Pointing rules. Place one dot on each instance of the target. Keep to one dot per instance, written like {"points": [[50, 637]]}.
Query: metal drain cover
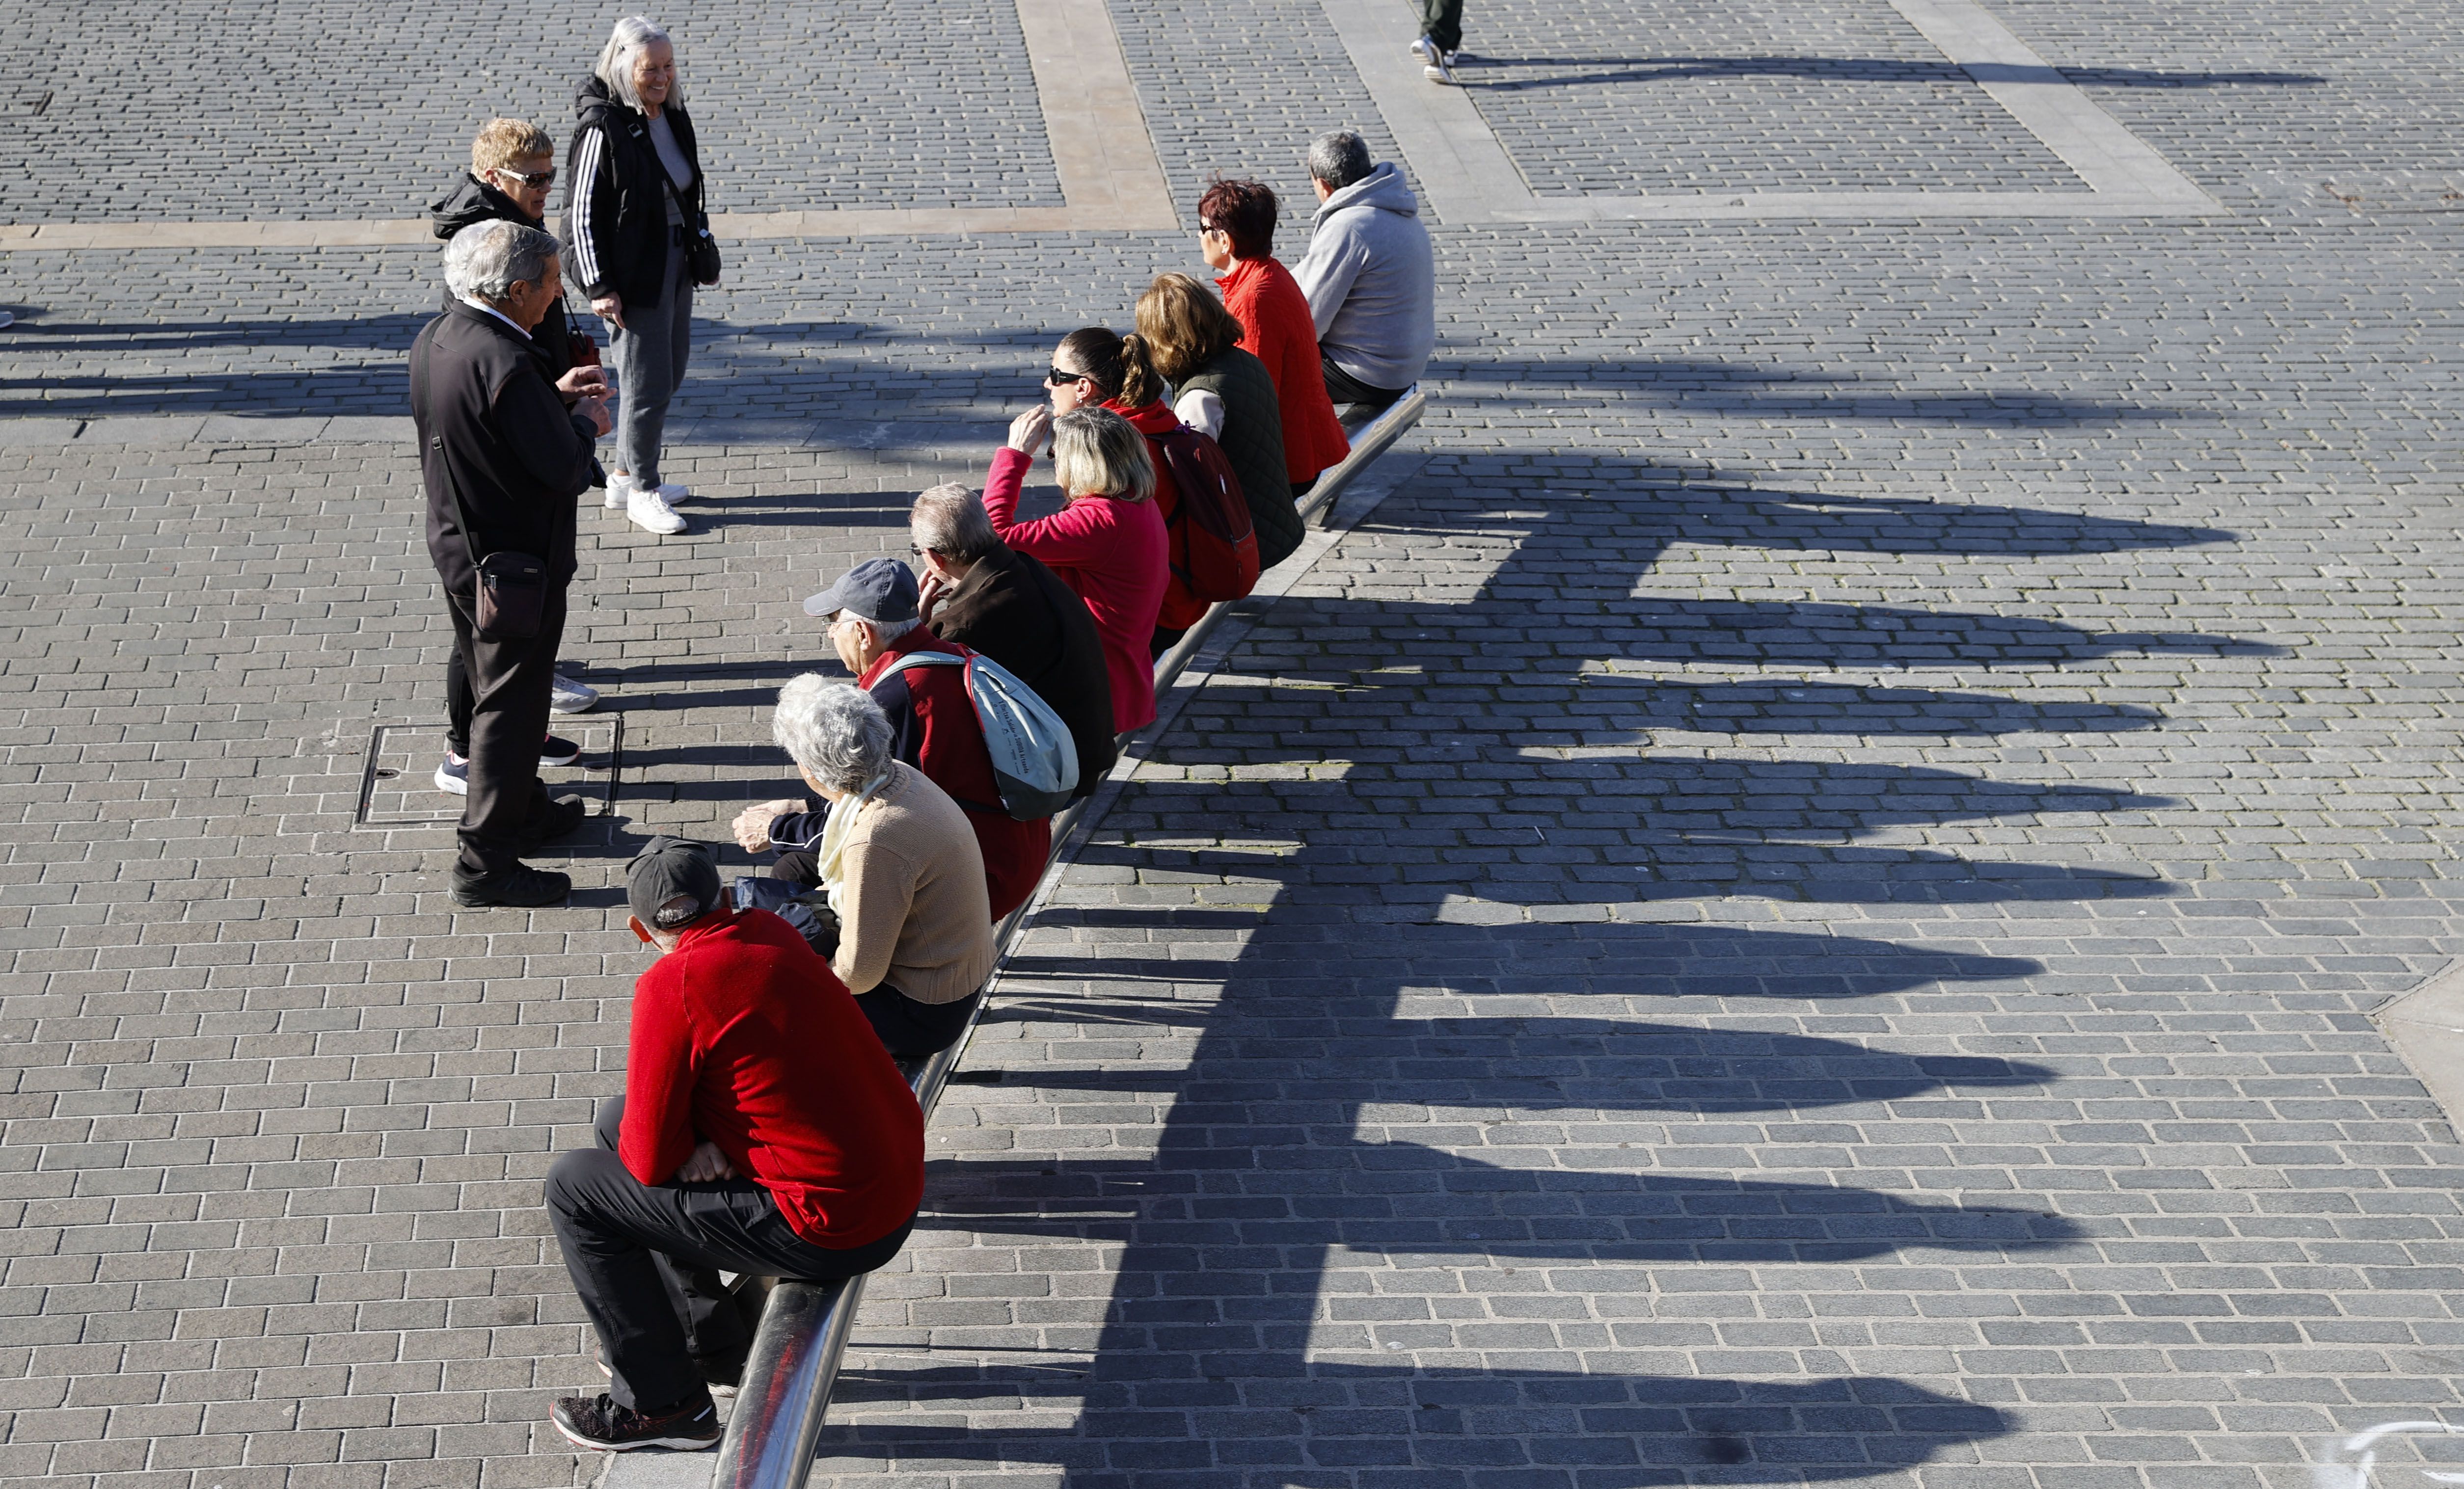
{"points": [[398, 781]]}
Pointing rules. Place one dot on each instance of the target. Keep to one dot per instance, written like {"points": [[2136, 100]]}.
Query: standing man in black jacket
{"points": [[502, 457]]}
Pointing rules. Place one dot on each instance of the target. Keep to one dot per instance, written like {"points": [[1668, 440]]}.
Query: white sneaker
{"points": [[1441, 64], [672, 493], [617, 488], [567, 697], [646, 509]]}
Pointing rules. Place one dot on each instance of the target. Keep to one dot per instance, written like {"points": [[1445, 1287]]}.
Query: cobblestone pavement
{"points": [[303, 109], [1802, 904]]}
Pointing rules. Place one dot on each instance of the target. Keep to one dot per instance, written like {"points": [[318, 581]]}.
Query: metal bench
{"points": [[777, 1424]]}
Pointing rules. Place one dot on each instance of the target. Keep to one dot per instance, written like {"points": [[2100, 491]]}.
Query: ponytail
{"points": [[1140, 383]]}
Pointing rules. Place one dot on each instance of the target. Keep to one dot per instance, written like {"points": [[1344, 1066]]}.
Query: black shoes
{"points": [[599, 1422], [564, 815], [520, 886]]}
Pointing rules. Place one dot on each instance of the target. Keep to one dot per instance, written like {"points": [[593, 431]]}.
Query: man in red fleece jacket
{"points": [[762, 1130]]}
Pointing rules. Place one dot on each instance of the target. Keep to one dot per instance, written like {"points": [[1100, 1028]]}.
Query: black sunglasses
{"points": [[1062, 378]]}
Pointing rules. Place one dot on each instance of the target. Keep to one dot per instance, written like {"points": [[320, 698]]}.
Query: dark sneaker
{"points": [[519, 887], [599, 1422], [453, 775], [565, 814], [558, 752]]}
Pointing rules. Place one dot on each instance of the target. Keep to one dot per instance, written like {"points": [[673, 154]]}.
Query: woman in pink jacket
{"points": [[1108, 544]]}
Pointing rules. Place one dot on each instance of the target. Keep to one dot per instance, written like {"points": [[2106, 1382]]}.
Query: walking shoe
{"points": [[520, 886], [554, 751], [619, 487], [1440, 64], [564, 815], [599, 1422], [672, 493], [567, 697], [453, 775], [648, 510]]}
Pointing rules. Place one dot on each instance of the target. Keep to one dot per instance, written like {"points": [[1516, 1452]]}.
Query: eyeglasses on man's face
{"points": [[533, 179]]}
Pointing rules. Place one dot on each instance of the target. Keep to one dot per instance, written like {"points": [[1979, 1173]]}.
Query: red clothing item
{"points": [[940, 734], [742, 1036], [1276, 329], [1113, 554], [1180, 609]]}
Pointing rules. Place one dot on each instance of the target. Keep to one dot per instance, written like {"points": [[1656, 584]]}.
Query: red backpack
{"points": [[1221, 546]]}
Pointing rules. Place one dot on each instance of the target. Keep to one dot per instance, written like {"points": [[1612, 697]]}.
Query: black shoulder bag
{"points": [[511, 596], [701, 249]]}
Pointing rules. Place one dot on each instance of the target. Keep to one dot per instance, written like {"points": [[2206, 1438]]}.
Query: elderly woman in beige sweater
{"points": [[901, 867]]}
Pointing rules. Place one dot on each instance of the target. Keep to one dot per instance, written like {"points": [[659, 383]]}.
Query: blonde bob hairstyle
{"points": [[626, 44], [1096, 453]]}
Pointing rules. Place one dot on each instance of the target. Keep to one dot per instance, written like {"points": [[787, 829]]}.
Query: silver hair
{"points": [[949, 520], [485, 260], [1338, 158], [833, 731], [632, 35], [888, 631], [1096, 453]]}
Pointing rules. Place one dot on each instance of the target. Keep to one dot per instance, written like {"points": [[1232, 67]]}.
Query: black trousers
{"points": [[1342, 387], [510, 685], [908, 1029], [1442, 22], [646, 1261]]}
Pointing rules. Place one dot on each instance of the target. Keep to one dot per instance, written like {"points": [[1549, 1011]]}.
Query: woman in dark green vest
{"points": [[1224, 392]]}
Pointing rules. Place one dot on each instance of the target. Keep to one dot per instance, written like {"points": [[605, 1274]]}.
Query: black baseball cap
{"points": [[880, 590], [671, 883]]}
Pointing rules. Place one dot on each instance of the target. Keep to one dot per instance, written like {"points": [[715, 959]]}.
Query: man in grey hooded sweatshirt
{"points": [[1370, 274]]}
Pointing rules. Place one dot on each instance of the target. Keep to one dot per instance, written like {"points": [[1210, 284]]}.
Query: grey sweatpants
{"points": [[651, 353]]}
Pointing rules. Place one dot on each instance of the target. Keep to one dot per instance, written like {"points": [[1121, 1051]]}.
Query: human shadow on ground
{"points": [[1779, 517], [1540, 1063], [1474, 73]]}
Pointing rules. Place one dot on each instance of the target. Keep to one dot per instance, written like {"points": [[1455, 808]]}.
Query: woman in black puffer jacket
{"points": [[636, 194]]}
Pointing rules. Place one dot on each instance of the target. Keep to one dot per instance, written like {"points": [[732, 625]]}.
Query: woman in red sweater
{"points": [[1108, 544], [1235, 231]]}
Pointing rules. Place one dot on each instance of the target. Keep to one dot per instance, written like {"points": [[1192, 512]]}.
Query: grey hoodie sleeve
{"points": [[1326, 272]]}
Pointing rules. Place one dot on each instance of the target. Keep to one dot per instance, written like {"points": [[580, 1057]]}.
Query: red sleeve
{"points": [[657, 1135], [1067, 536]]}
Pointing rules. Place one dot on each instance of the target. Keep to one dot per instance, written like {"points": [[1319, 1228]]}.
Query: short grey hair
{"points": [[949, 520], [833, 731], [631, 37], [1339, 158], [888, 631], [1096, 453], [485, 260]]}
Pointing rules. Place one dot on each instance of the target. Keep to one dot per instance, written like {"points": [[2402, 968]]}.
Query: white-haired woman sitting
{"points": [[900, 865]]}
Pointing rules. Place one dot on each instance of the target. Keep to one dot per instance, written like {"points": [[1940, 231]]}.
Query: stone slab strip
{"points": [[2427, 1028], [1464, 173], [1106, 158]]}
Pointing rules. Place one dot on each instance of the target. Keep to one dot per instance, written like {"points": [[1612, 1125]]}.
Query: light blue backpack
{"points": [[1035, 763]]}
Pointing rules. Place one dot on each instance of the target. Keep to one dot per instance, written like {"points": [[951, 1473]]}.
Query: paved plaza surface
{"points": [[1802, 902]]}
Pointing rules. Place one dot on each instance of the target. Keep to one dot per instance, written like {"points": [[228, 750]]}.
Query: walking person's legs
{"points": [[1442, 22]]}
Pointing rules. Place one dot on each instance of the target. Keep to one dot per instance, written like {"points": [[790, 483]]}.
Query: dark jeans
{"points": [[1342, 387], [511, 682], [1442, 22], [908, 1029], [645, 1260], [459, 700]]}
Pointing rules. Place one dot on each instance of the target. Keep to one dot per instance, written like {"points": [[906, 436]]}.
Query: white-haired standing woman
{"points": [[636, 207]]}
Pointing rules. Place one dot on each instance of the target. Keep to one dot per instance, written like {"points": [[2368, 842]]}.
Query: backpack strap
{"points": [[901, 663]]}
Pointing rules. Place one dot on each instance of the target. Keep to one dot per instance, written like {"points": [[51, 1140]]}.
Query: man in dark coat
{"points": [[502, 456], [1016, 611]]}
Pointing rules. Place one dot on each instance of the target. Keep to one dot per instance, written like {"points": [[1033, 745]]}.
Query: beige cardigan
{"points": [[915, 913]]}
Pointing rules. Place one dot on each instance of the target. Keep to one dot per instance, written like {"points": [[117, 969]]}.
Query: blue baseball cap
{"points": [[880, 590]]}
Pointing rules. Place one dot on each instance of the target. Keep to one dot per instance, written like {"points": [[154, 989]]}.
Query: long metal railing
{"points": [[776, 1426]]}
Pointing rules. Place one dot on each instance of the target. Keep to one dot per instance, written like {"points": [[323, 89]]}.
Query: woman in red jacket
{"points": [[1092, 364], [1108, 544], [1236, 233]]}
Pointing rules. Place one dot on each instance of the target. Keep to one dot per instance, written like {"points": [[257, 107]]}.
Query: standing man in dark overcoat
{"points": [[504, 453]]}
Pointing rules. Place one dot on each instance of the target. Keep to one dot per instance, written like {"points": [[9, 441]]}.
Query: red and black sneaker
{"points": [[599, 1422]]}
